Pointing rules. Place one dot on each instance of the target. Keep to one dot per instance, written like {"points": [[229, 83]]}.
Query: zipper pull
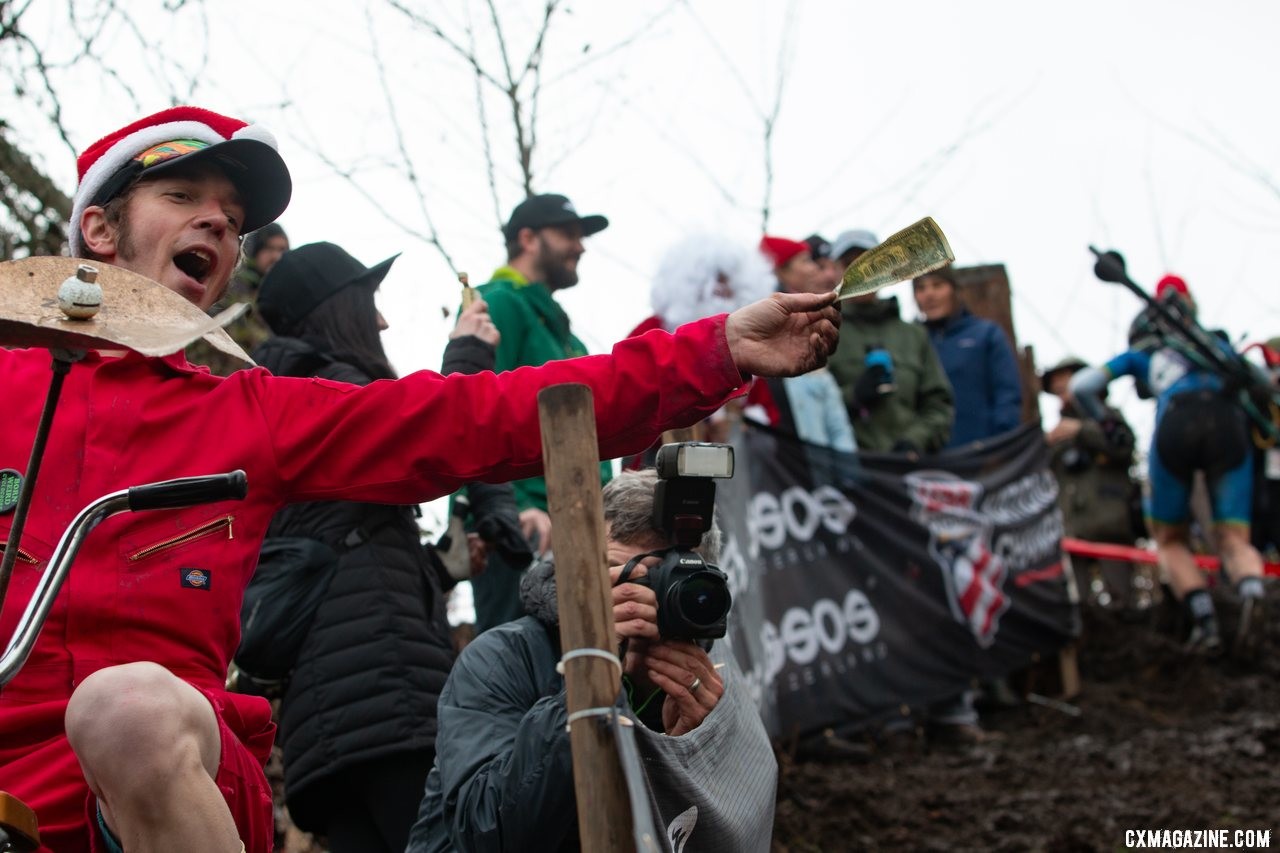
{"points": [[230, 532]]}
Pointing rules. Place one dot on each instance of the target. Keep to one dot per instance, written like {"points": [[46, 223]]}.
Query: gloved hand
{"points": [[875, 383], [497, 521]]}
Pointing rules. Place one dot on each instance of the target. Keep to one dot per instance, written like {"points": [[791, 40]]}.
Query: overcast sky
{"points": [[1027, 130]]}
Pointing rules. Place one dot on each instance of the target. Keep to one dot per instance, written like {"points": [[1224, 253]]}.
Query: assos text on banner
{"points": [[865, 582]]}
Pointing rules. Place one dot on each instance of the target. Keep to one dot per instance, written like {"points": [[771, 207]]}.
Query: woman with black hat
{"points": [[357, 724]]}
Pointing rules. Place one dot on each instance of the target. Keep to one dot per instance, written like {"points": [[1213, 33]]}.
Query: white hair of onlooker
{"points": [[707, 274]]}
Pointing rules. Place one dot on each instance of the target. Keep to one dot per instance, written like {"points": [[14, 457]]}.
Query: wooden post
{"points": [[1069, 671], [570, 453]]}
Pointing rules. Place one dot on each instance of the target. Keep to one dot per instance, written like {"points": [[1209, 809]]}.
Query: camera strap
{"points": [[630, 566]]}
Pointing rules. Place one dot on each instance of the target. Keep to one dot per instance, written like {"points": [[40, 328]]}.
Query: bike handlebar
{"points": [[163, 495], [188, 491]]}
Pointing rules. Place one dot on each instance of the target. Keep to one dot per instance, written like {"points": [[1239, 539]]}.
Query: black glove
{"points": [[872, 386], [497, 521]]}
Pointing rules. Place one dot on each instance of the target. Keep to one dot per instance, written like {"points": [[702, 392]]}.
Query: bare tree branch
{"points": [[786, 54], [485, 144], [644, 29], [1224, 151], [681, 147], [33, 210], [89, 26], [502, 44], [727, 62], [433, 235], [461, 51], [535, 53], [54, 105], [525, 129], [917, 177]]}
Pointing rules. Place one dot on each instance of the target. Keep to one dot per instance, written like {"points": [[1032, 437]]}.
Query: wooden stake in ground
{"points": [[570, 453]]}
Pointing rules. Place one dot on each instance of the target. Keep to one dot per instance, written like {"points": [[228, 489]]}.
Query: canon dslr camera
{"points": [[693, 595]]}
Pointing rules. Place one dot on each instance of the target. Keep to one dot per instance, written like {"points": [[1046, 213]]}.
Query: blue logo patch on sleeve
{"points": [[195, 578]]}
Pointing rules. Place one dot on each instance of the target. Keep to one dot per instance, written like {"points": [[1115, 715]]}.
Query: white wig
{"points": [[688, 283]]}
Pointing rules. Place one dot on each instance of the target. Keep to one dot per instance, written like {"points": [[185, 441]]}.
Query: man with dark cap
{"points": [[898, 396], [820, 251], [544, 244], [119, 731]]}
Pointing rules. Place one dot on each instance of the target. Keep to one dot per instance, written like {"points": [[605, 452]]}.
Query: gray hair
{"points": [[628, 510]]}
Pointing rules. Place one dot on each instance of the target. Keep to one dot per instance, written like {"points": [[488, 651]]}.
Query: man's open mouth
{"points": [[196, 263]]}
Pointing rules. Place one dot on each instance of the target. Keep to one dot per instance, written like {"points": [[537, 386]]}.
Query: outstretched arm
{"points": [[1086, 389], [425, 435], [785, 335]]}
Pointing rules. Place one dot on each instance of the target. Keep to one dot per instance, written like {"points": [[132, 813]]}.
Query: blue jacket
{"points": [[983, 373]]}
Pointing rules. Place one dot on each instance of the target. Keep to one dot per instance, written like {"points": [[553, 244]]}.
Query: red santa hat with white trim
{"points": [[178, 137]]}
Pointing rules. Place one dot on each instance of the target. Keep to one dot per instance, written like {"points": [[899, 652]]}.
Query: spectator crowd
{"points": [[394, 736]]}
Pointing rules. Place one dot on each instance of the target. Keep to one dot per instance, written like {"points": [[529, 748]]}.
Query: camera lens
{"points": [[702, 599]]}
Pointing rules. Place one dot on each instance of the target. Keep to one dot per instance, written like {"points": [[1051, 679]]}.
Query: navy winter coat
{"points": [[983, 372]]}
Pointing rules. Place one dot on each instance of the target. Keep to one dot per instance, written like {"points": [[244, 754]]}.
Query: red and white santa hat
{"points": [[180, 136], [781, 250]]}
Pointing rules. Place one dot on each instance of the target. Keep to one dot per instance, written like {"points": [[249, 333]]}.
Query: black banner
{"points": [[865, 582]]}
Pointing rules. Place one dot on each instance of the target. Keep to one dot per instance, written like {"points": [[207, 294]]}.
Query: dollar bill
{"points": [[912, 252]]}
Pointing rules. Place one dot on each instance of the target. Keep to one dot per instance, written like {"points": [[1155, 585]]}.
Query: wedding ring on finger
{"points": [[697, 682]]}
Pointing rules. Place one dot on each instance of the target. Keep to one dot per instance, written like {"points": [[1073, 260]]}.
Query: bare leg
{"points": [[148, 745], [1176, 558], [1239, 558], [1189, 585], [1243, 564]]}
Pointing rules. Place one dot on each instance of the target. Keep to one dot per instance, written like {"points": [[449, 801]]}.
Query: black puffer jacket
{"points": [[371, 669]]}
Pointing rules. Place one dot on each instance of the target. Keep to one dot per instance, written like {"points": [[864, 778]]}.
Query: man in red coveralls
{"points": [[118, 731]]}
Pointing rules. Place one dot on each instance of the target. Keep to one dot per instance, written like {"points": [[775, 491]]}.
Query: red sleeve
{"points": [[423, 436], [647, 325]]}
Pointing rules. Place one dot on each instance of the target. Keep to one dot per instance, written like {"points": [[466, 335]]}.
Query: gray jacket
{"points": [[503, 779]]}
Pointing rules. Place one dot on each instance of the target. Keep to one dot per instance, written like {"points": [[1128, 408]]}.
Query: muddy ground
{"points": [[1163, 740]]}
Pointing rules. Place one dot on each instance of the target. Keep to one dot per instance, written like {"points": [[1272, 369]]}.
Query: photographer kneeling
{"points": [[503, 778]]}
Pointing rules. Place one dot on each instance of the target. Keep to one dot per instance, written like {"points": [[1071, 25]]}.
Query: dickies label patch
{"points": [[195, 578]]}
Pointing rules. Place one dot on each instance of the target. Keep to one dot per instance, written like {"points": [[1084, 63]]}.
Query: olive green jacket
{"points": [[921, 409]]}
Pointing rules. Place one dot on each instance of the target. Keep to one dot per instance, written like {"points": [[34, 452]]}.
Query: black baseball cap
{"points": [[819, 246], [307, 276], [542, 211]]}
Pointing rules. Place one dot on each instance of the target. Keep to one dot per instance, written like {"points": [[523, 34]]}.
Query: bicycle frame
{"points": [[169, 493]]}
